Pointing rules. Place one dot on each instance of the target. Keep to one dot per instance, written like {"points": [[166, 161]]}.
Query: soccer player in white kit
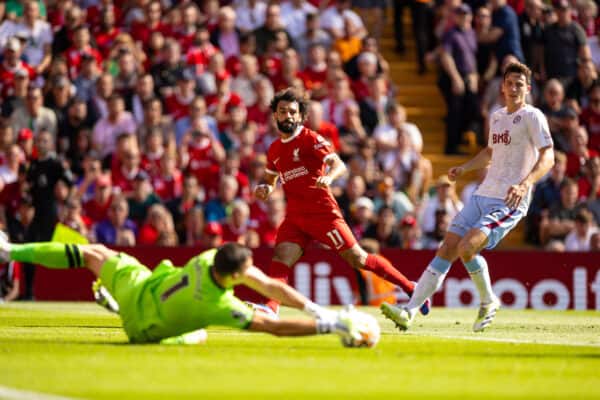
{"points": [[519, 152]]}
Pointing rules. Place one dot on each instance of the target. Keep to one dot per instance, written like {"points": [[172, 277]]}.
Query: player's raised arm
{"points": [[336, 169], [481, 160]]}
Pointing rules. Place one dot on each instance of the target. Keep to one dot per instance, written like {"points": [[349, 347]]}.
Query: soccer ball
{"points": [[364, 331]]}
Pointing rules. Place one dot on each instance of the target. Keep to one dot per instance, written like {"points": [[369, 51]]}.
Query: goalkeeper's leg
{"points": [[57, 255]]}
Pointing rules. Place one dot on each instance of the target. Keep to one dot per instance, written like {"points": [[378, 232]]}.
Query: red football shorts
{"points": [[328, 229]]}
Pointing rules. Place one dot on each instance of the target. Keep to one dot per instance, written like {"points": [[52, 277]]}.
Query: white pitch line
{"points": [[8, 393], [516, 341]]}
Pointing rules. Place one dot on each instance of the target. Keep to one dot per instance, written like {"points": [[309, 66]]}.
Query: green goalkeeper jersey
{"points": [[172, 300]]}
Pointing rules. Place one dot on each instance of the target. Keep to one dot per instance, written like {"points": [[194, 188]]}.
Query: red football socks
{"points": [[280, 271], [381, 266]]}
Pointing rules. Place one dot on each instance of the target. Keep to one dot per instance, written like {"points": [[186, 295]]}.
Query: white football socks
{"points": [[482, 282], [428, 283]]}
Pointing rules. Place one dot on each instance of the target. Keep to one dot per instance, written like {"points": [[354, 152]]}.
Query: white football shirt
{"points": [[515, 140]]}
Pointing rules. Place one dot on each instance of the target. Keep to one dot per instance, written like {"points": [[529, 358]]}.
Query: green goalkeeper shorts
{"points": [[124, 277]]}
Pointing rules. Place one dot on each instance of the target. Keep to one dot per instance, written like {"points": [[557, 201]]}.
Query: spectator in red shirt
{"points": [[10, 65], [168, 183], [367, 68], [186, 32], [124, 177], [25, 142], [315, 121], [200, 53], [142, 30], [580, 153], [267, 228], [212, 235], [96, 209], [201, 152], [158, 229], [81, 45], [107, 31], [589, 183], [177, 104], [153, 151], [216, 72], [231, 166], [314, 74], [95, 12], [290, 70], [590, 117], [260, 112], [237, 224], [222, 103]]}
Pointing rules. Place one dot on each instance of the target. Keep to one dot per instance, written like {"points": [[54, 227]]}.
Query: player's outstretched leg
{"points": [[429, 282], [49, 254], [478, 269], [381, 266], [56, 255]]}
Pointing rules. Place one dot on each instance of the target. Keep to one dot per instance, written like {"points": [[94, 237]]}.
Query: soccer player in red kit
{"points": [[307, 165]]}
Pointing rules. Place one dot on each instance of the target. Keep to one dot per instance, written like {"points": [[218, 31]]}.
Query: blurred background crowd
{"points": [[146, 122]]}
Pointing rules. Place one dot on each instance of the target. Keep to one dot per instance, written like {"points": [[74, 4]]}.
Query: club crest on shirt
{"points": [[517, 119], [296, 155], [501, 138]]}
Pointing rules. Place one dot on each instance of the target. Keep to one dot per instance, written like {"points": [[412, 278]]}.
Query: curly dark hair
{"points": [[290, 95]]}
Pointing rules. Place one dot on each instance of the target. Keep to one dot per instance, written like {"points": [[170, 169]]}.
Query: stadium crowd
{"points": [[146, 122]]}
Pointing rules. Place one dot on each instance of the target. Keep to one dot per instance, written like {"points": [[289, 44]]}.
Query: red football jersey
{"points": [[169, 187], [299, 160]]}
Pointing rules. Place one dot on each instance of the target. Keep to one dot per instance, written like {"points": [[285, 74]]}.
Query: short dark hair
{"points": [[567, 182], [518, 68], [230, 257], [290, 95]]}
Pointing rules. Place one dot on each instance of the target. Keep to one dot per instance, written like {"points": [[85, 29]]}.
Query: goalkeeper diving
{"points": [[172, 304]]}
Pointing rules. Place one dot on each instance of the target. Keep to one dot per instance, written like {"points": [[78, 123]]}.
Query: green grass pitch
{"points": [[78, 350]]}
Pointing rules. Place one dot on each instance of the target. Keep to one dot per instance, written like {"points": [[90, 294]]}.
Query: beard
{"points": [[287, 127]]}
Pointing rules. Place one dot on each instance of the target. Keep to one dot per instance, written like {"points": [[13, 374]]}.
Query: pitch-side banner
{"points": [[539, 280]]}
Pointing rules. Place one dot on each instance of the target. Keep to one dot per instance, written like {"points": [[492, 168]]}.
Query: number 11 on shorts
{"points": [[336, 238]]}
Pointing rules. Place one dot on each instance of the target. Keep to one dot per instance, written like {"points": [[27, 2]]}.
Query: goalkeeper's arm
{"points": [[271, 288]]}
